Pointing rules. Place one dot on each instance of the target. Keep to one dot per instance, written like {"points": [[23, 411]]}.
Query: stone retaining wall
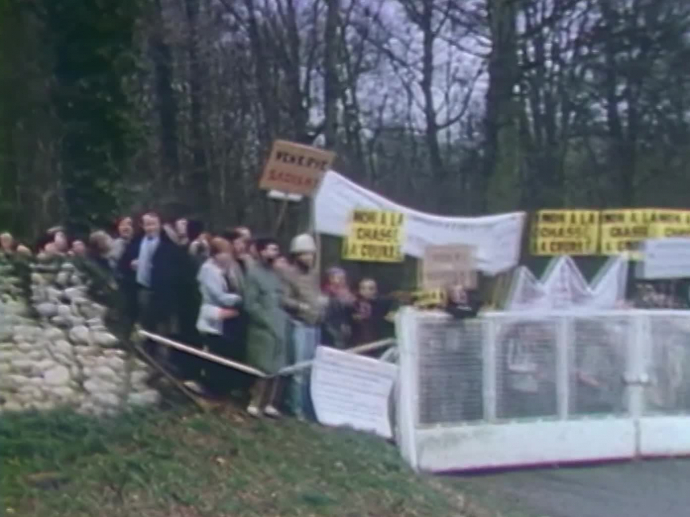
{"points": [[55, 349]]}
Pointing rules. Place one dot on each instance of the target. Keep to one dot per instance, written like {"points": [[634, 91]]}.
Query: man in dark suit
{"points": [[152, 262]]}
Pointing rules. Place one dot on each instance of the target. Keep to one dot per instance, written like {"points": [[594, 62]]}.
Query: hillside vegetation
{"points": [[184, 463]]}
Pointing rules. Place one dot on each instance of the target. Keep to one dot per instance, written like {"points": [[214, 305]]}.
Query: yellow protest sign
{"points": [[374, 236], [623, 230], [565, 232], [670, 223], [430, 298]]}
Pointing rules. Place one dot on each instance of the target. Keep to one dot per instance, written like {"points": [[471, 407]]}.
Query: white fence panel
{"points": [[513, 390]]}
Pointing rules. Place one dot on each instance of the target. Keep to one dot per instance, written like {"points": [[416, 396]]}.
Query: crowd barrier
{"points": [[512, 390]]}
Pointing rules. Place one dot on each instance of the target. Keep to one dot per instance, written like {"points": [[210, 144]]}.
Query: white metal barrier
{"points": [[511, 389]]}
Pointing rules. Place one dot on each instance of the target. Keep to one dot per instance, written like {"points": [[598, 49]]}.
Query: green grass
{"points": [[183, 463]]}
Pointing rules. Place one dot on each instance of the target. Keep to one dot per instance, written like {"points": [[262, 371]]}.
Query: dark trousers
{"points": [[213, 376], [149, 321], [235, 329]]}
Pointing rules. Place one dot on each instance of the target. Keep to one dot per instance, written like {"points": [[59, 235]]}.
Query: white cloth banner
{"points": [[497, 238], [665, 259], [562, 287], [353, 391]]}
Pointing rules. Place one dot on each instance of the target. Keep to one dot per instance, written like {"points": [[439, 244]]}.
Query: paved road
{"points": [[639, 489]]}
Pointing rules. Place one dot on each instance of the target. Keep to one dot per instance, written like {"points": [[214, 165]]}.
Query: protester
{"points": [[282, 264], [459, 303], [236, 274], [219, 305], [266, 339], [240, 259], [187, 291], [199, 249], [7, 244], [78, 249], [302, 301], [245, 232], [370, 318], [125, 233], [53, 243], [252, 252], [60, 241], [337, 325], [100, 249], [153, 261], [181, 228]]}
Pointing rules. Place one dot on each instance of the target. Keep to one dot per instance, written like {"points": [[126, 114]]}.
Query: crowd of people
{"points": [[232, 294]]}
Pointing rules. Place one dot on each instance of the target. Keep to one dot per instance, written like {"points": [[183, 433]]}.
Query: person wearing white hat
{"points": [[302, 301]]}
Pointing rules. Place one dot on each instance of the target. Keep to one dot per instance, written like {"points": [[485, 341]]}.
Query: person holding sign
{"points": [[459, 303], [268, 323], [302, 303]]}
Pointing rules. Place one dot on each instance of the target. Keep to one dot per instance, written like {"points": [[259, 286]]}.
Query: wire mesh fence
{"points": [[597, 352], [526, 369], [668, 365], [450, 372], [554, 366]]}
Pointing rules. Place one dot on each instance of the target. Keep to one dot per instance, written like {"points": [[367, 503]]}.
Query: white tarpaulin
{"points": [[353, 391], [497, 238], [527, 292], [562, 287], [608, 287]]}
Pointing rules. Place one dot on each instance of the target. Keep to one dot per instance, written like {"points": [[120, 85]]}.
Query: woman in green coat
{"points": [[267, 329]]}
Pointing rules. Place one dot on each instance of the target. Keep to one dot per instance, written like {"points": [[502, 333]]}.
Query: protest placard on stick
{"points": [[449, 265], [295, 168]]}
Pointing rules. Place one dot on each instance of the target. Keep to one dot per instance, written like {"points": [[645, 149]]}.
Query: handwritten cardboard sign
{"points": [[295, 168], [353, 391], [449, 265], [374, 236]]}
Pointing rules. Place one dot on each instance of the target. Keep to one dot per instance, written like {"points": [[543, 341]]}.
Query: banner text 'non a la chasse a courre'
{"points": [[374, 236]]}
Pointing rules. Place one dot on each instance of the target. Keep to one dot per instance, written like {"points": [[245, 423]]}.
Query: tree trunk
{"points": [[166, 102], [331, 87], [197, 77], [501, 166], [436, 167]]}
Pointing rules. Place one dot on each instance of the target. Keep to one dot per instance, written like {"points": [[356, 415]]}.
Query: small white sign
{"points": [[665, 259], [283, 196], [353, 391]]}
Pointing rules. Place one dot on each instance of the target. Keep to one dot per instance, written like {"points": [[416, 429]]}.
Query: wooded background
{"points": [[449, 106]]}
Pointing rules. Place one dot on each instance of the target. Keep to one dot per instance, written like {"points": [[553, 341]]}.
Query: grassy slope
{"points": [[183, 463]]}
